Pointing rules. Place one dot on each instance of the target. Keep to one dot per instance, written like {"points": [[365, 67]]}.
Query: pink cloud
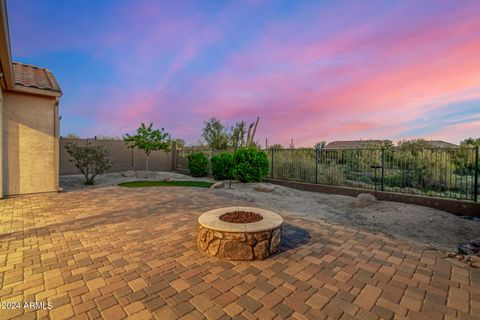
{"points": [[318, 72]]}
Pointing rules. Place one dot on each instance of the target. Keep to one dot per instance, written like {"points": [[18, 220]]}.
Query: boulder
{"points": [[364, 200], [217, 185], [168, 179], [265, 187], [129, 173]]}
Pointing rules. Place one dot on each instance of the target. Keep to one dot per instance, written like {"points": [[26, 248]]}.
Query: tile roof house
{"points": [[29, 123], [26, 75], [354, 144], [442, 144]]}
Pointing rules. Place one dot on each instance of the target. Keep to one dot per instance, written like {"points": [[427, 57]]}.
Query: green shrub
{"points": [[250, 165], [90, 159], [197, 164], [222, 166]]}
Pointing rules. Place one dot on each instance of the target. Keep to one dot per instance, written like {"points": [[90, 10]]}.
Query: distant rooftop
{"points": [[353, 144], [34, 77], [442, 144], [357, 144]]}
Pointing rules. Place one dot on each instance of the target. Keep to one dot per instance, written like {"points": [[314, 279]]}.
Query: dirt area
{"points": [[415, 224]]}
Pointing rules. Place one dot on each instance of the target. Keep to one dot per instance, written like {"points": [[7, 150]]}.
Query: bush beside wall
{"points": [[198, 164], [222, 166]]}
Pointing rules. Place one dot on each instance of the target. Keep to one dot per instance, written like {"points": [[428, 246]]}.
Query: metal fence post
{"points": [[316, 165], [174, 155], [383, 168], [475, 184], [131, 158], [271, 170]]}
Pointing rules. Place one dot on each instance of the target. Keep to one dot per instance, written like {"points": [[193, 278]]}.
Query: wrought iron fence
{"points": [[440, 172]]}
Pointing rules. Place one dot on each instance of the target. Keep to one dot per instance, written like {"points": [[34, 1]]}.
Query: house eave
{"points": [[37, 91], [5, 50]]}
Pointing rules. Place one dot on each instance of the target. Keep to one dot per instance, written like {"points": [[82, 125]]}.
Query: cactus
{"points": [[251, 134]]}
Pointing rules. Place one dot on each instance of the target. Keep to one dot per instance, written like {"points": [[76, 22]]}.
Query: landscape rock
{"points": [[217, 185], [364, 200], [129, 173], [166, 179], [265, 187]]}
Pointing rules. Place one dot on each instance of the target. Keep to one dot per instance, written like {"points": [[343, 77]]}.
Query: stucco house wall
{"points": [[29, 122], [3, 167], [30, 131]]}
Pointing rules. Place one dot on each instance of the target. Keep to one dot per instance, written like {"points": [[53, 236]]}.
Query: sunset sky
{"points": [[312, 70]]}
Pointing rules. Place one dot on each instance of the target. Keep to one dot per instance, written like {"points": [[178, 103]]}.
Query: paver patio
{"points": [[115, 252]]}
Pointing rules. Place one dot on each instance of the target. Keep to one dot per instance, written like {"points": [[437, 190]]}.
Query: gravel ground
{"points": [[418, 225]]}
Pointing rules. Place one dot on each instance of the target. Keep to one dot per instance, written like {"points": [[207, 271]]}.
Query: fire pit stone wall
{"points": [[239, 241]]}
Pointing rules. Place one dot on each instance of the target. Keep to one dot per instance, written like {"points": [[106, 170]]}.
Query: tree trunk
{"points": [[146, 165]]}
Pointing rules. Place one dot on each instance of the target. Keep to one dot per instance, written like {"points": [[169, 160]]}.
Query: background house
{"points": [[355, 144], [359, 144], [29, 123], [442, 144]]}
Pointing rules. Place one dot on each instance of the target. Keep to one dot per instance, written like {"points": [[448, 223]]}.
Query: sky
{"points": [[311, 70]]}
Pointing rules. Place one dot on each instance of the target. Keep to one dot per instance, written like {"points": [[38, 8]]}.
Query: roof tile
{"points": [[34, 77]]}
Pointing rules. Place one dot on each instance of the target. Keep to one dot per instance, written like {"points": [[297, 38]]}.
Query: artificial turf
{"points": [[139, 184]]}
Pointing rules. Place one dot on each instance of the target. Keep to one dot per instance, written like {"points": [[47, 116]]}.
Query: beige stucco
{"points": [[3, 167], [31, 135]]}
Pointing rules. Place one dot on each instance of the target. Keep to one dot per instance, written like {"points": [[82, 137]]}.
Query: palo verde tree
{"points": [[90, 159], [215, 134], [148, 139], [237, 135], [219, 137]]}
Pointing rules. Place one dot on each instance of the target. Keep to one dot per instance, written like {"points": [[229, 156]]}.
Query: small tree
{"points": [[320, 145], [91, 160], [215, 134], [237, 136], [276, 146], [148, 139], [72, 136], [470, 142], [180, 143]]}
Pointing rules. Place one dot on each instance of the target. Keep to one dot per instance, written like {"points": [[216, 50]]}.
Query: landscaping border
{"points": [[457, 207]]}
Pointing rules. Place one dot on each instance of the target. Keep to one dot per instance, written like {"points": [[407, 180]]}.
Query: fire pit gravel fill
{"points": [[241, 217]]}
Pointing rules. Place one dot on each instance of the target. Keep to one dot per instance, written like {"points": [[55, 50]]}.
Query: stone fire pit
{"points": [[240, 233]]}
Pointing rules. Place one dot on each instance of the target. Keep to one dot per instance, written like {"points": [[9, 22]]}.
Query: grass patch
{"points": [[140, 184]]}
